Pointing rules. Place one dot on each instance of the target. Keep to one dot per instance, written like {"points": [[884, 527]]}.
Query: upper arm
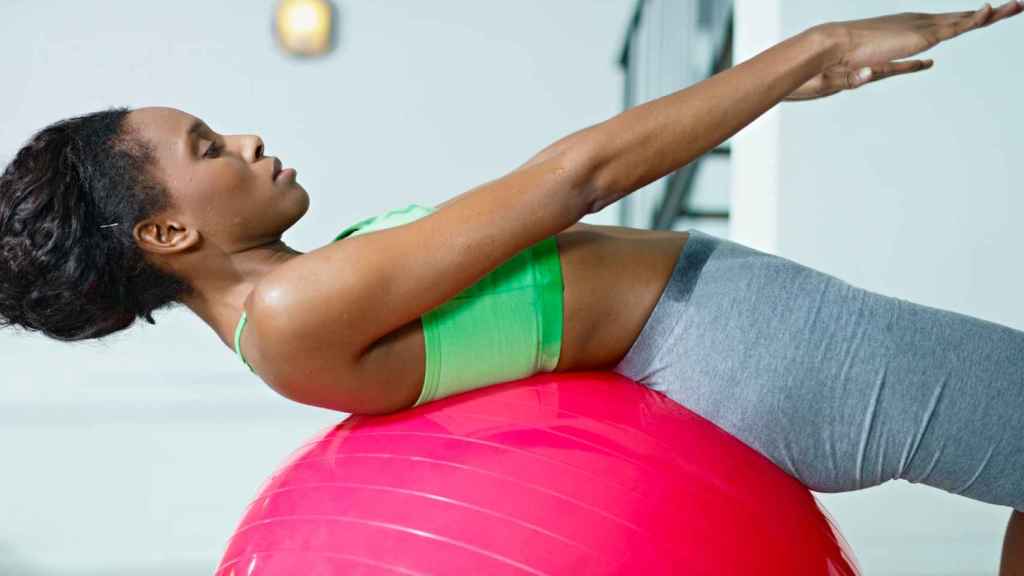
{"points": [[335, 302], [314, 362]]}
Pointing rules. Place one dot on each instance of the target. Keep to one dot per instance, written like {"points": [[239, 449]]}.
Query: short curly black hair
{"points": [[60, 272]]}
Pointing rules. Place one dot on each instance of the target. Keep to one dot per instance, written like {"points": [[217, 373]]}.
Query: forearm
{"points": [[652, 140]]}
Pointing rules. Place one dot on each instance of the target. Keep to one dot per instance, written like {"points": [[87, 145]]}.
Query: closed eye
{"points": [[214, 148]]}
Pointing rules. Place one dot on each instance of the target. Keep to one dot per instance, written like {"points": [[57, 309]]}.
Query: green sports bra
{"points": [[505, 327]]}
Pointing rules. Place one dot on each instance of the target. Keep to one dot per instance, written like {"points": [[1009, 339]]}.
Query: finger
{"points": [[897, 68], [955, 24], [851, 78], [951, 18], [1011, 8]]}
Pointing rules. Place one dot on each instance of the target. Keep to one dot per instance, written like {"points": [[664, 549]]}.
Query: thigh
{"points": [[846, 388]]}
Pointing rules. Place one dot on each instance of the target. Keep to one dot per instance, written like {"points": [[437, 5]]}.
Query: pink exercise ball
{"points": [[560, 473]]}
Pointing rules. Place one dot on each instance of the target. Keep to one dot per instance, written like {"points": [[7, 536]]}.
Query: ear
{"points": [[164, 236]]}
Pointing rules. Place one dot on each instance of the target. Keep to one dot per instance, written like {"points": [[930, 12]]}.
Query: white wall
{"points": [[906, 187], [138, 455]]}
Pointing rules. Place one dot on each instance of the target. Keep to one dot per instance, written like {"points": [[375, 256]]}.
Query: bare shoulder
{"points": [[263, 341], [276, 325], [300, 337]]}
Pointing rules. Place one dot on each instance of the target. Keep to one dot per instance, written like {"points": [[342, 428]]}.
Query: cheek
{"points": [[232, 195], [236, 215], [235, 191]]}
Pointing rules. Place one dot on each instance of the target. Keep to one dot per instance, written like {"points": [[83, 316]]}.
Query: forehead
{"points": [[166, 129], [163, 127], [160, 117]]}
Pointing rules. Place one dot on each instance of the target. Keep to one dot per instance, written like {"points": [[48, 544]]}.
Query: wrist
{"points": [[832, 40]]}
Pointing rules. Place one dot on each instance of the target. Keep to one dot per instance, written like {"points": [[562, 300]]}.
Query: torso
{"points": [[612, 277]]}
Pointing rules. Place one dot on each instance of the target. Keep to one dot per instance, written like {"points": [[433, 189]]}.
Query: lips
{"points": [[277, 169]]}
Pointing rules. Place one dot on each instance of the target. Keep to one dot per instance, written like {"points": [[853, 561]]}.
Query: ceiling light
{"points": [[305, 27]]}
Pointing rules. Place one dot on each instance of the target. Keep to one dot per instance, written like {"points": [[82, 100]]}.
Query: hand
{"points": [[874, 45]]}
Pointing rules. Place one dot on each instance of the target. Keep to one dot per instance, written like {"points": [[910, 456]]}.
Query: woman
{"points": [[108, 217]]}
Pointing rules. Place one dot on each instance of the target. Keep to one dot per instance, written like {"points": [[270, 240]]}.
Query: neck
{"points": [[222, 287]]}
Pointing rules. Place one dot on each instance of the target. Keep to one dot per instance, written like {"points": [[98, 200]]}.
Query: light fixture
{"points": [[305, 27]]}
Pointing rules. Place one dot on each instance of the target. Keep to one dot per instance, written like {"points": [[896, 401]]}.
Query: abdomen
{"points": [[613, 277]]}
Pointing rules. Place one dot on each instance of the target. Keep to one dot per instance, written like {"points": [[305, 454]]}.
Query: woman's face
{"points": [[222, 186]]}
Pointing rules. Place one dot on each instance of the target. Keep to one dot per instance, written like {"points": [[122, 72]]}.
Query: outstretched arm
{"points": [[649, 141]]}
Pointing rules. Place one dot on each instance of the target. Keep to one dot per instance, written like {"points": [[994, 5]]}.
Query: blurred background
{"points": [[138, 455]]}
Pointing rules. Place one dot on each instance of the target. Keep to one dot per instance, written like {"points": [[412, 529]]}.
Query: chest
{"points": [[612, 278]]}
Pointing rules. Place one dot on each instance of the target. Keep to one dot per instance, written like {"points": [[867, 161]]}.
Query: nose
{"points": [[253, 148]]}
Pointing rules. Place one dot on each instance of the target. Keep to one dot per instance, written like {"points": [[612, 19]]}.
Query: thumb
{"points": [[859, 77]]}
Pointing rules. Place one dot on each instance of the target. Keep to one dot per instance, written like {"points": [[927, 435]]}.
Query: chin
{"points": [[301, 206]]}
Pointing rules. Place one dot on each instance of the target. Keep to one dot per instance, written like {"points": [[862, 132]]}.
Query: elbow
{"points": [[573, 158], [347, 395], [329, 398], [581, 158]]}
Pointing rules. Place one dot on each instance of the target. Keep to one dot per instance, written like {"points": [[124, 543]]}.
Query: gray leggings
{"points": [[841, 387]]}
